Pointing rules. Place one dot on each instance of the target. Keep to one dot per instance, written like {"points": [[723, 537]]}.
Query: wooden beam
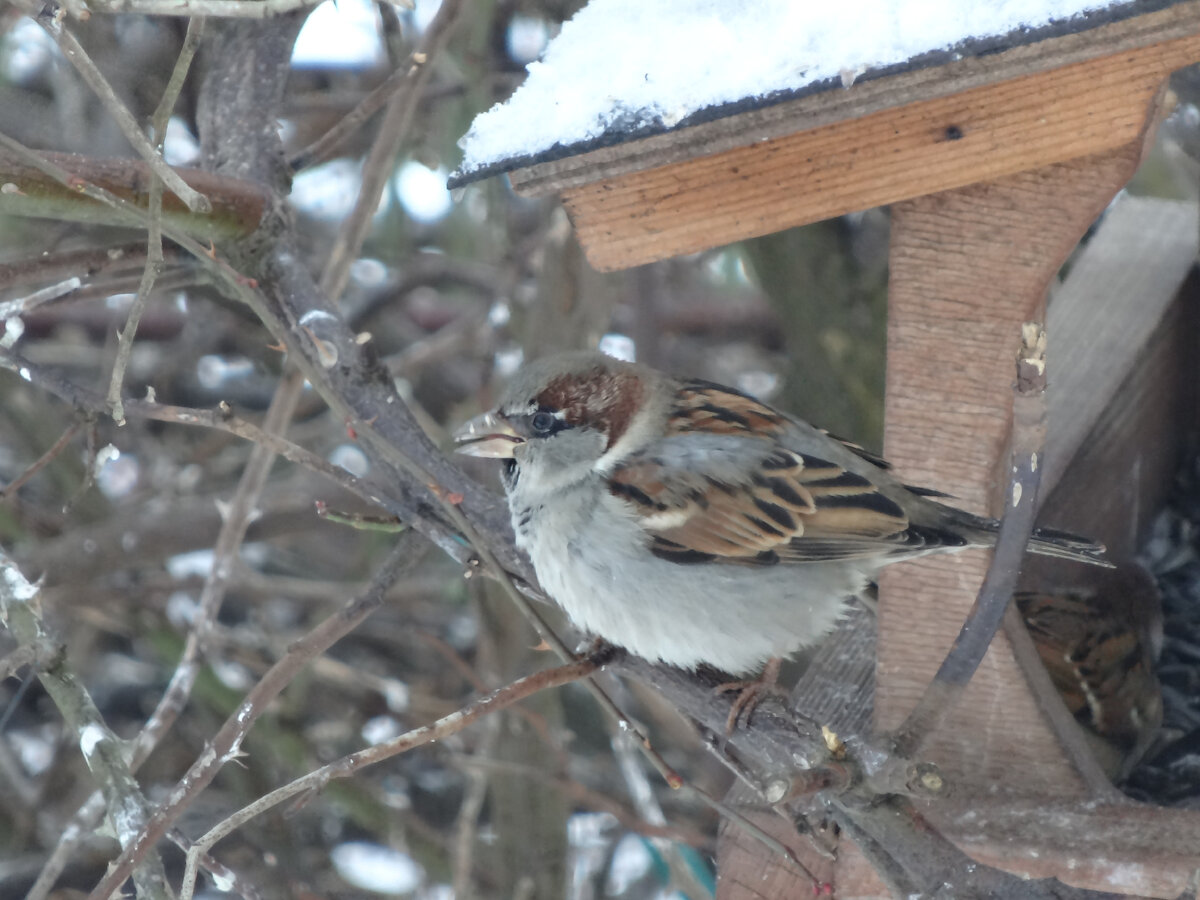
{"points": [[967, 267], [1135, 449], [1134, 266], [897, 153], [1136, 849]]}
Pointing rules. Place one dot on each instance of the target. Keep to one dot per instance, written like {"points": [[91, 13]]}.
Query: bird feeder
{"points": [[995, 158]]}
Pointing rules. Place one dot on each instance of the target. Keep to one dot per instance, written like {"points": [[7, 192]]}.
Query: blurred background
{"points": [[548, 800]]}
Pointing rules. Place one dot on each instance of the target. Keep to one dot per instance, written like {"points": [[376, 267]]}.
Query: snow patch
{"points": [[89, 738], [624, 65], [376, 868], [17, 587]]}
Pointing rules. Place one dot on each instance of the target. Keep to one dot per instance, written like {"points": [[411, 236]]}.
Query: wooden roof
{"points": [[620, 131], [937, 122]]}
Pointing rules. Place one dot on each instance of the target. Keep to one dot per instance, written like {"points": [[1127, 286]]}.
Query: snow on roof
{"points": [[628, 68]]}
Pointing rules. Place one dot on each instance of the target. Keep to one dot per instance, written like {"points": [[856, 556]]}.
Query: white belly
{"points": [[590, 557]]}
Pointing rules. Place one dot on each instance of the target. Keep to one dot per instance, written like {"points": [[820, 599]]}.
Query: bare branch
{"points": [[314, 781], [381, 160], [55, 185], [221, 420], [591, 799], [236, 520], [103, 751], [226, 744], [224, 9], [73, 50], [154, 251], [10, 489]]}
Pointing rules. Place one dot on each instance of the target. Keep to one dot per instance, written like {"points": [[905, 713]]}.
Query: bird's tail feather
{"points": [[1064, 545], [1044, 541]]}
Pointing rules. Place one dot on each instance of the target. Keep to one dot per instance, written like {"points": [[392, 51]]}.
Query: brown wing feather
{"points": [[788, 499], [703, 406]]}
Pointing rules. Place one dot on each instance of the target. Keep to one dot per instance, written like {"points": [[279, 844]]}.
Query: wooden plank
{"points": [[749, 870], [885, 157], [835, 690], [1136, 447], [1134, 265], [967, 267], [860, 99], [1133, 849]]}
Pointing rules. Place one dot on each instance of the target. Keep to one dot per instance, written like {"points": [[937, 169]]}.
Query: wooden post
{"points": [[967, 267]]}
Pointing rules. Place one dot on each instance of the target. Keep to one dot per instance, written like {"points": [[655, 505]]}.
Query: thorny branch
{"points": [[73, 50], [348, 765], [154, 250], [233, 9], [104, 752]]}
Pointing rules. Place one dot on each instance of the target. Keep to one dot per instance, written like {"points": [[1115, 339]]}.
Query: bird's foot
{"points": [[751, 693]]}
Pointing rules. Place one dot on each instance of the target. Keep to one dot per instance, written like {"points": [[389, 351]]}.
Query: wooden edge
{"points": [[1102, 316], [1132, 849], [897, 154], [856, 101]]}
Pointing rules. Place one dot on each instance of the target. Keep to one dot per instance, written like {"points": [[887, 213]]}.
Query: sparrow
{"points": [[1100, 643], [693, 524]]}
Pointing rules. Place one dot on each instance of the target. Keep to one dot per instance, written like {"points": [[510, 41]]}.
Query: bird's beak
{"points": [[487, 435]]}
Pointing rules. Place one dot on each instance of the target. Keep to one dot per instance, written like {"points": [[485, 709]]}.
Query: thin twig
{"points": [[83, 63], [28, 303], [173, 279], [92, 260], [222, 419], [592, 799], [154, 250], [995, 594], [226, 744], [324, 146], [76, 830], [236, 520], [381, 161], [103, 751], [535, 720], [10, 489], [231, 882], [648, 807], [466, 825], [225, 9], [346, 766], [154, 265]]}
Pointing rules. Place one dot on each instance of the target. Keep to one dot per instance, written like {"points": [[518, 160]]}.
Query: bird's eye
{"points": [[543, 424]]}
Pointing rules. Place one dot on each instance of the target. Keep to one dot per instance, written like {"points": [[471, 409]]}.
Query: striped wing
{"points": [[722, 485]]}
